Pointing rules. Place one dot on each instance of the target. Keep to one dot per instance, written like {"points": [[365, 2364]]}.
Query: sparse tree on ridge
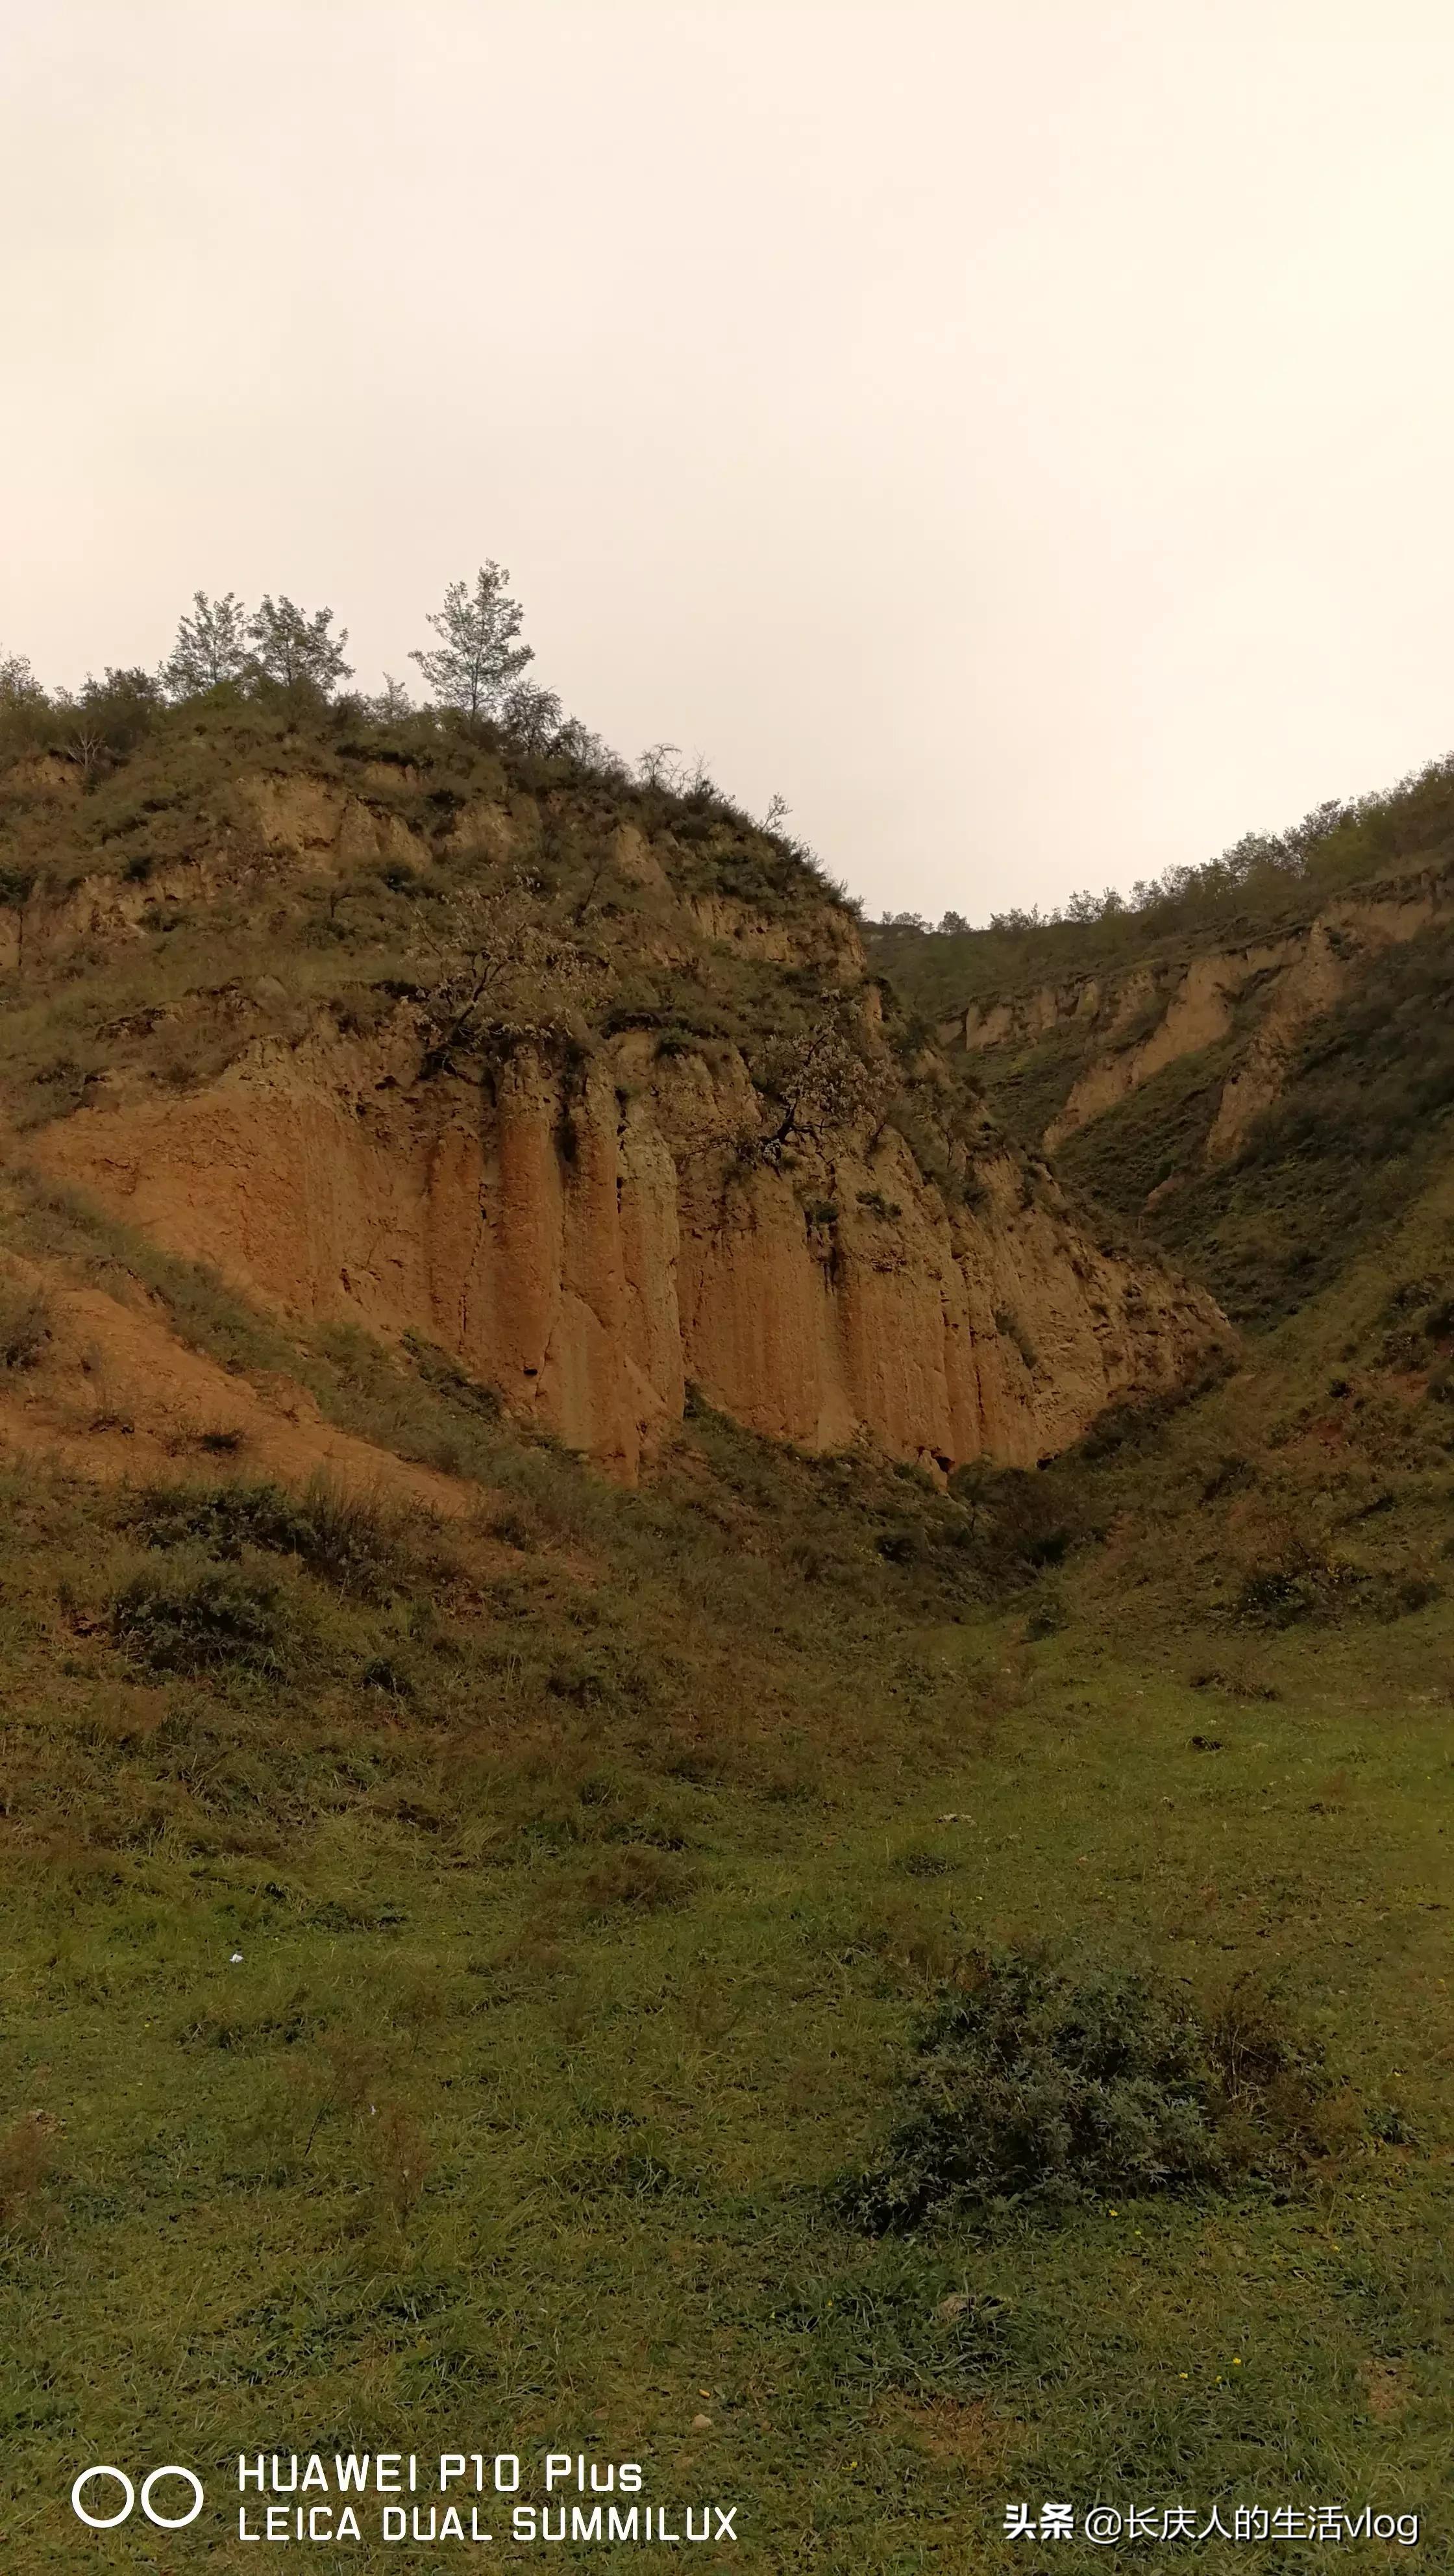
{"points": [[294, 649], [533, 716], [19, 686], [393, 702], [211, 646], [660, 765], [576, 742], [477, 659], [115, 713], [23, 703]]}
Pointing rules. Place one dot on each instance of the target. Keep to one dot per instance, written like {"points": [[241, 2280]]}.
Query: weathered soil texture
{"points": [[591, 1250]]}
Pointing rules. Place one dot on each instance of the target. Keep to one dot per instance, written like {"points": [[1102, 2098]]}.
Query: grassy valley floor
{"points": [[583, 1928]]}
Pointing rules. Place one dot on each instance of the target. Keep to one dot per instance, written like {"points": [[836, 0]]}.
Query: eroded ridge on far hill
{"points": [[1252, 1065]]}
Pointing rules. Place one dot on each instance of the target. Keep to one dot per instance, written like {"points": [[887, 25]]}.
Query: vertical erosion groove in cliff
{"points": [[592, 1246]]}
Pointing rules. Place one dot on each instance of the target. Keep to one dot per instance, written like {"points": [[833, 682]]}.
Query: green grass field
{"points": [[586, 1910]]}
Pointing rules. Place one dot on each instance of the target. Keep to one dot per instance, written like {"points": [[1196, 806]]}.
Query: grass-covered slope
{"points": [[1267, 883], [473, 1976], [876, 2000], [312, 850], [1359, 1130]]}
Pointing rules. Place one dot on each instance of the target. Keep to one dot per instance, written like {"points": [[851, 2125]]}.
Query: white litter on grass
{"points": [[236, 1960]]}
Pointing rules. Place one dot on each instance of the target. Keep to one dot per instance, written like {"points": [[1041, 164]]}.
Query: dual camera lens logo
{"points": [[109, 2521]]}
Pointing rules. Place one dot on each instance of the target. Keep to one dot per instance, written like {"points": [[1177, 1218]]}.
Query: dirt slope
{"points": [[110, 1393]]}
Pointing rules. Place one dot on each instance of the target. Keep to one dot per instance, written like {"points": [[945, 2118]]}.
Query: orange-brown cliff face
{"points": [[593, 1249], [592, 1231]]}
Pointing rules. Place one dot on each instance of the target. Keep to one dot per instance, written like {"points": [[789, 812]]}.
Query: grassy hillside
{"points": [[591, 1866], [238, 783], [876, 2000], [187, 892], [1361, 1129], [1266, 883]]}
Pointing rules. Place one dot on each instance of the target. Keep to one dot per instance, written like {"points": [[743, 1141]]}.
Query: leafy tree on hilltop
{"points": [[112, 714], [294, 649], [393, 702], [18, 684], [532, 716], [477, 660], [24, 706], [211, 647]]}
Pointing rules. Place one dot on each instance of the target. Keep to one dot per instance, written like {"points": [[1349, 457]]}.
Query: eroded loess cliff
{"points": [[1114, 1035], [1265, 1098], [594, 1248], [597, 1205]]}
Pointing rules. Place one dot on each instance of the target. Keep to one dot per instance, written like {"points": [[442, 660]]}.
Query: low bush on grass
{"points": [[638, 1878], [1022, 1520], [1034, 2086], [347, 1542], [197, 1615]]}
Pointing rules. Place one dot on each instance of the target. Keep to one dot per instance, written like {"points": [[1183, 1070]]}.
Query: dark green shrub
{"points": [[1297, 1582], [343, 1540], [1022, 1519], [202, 1616], [1050, 1617], [1037, 2087]]}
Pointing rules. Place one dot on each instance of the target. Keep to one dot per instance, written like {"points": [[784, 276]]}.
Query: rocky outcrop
{"points": [[591, 1246]]}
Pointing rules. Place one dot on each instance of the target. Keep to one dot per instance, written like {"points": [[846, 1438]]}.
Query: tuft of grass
{"points": [[25, 1325], [27, 2152], [636, 1877]]}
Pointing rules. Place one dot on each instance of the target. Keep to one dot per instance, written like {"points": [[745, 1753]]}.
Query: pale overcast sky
{"points": [[1017, 430]]}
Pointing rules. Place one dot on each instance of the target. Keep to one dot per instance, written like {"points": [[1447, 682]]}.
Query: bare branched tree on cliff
{"points": [[477, 660], [532, 716], [500, 973], [828, 1077]]}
